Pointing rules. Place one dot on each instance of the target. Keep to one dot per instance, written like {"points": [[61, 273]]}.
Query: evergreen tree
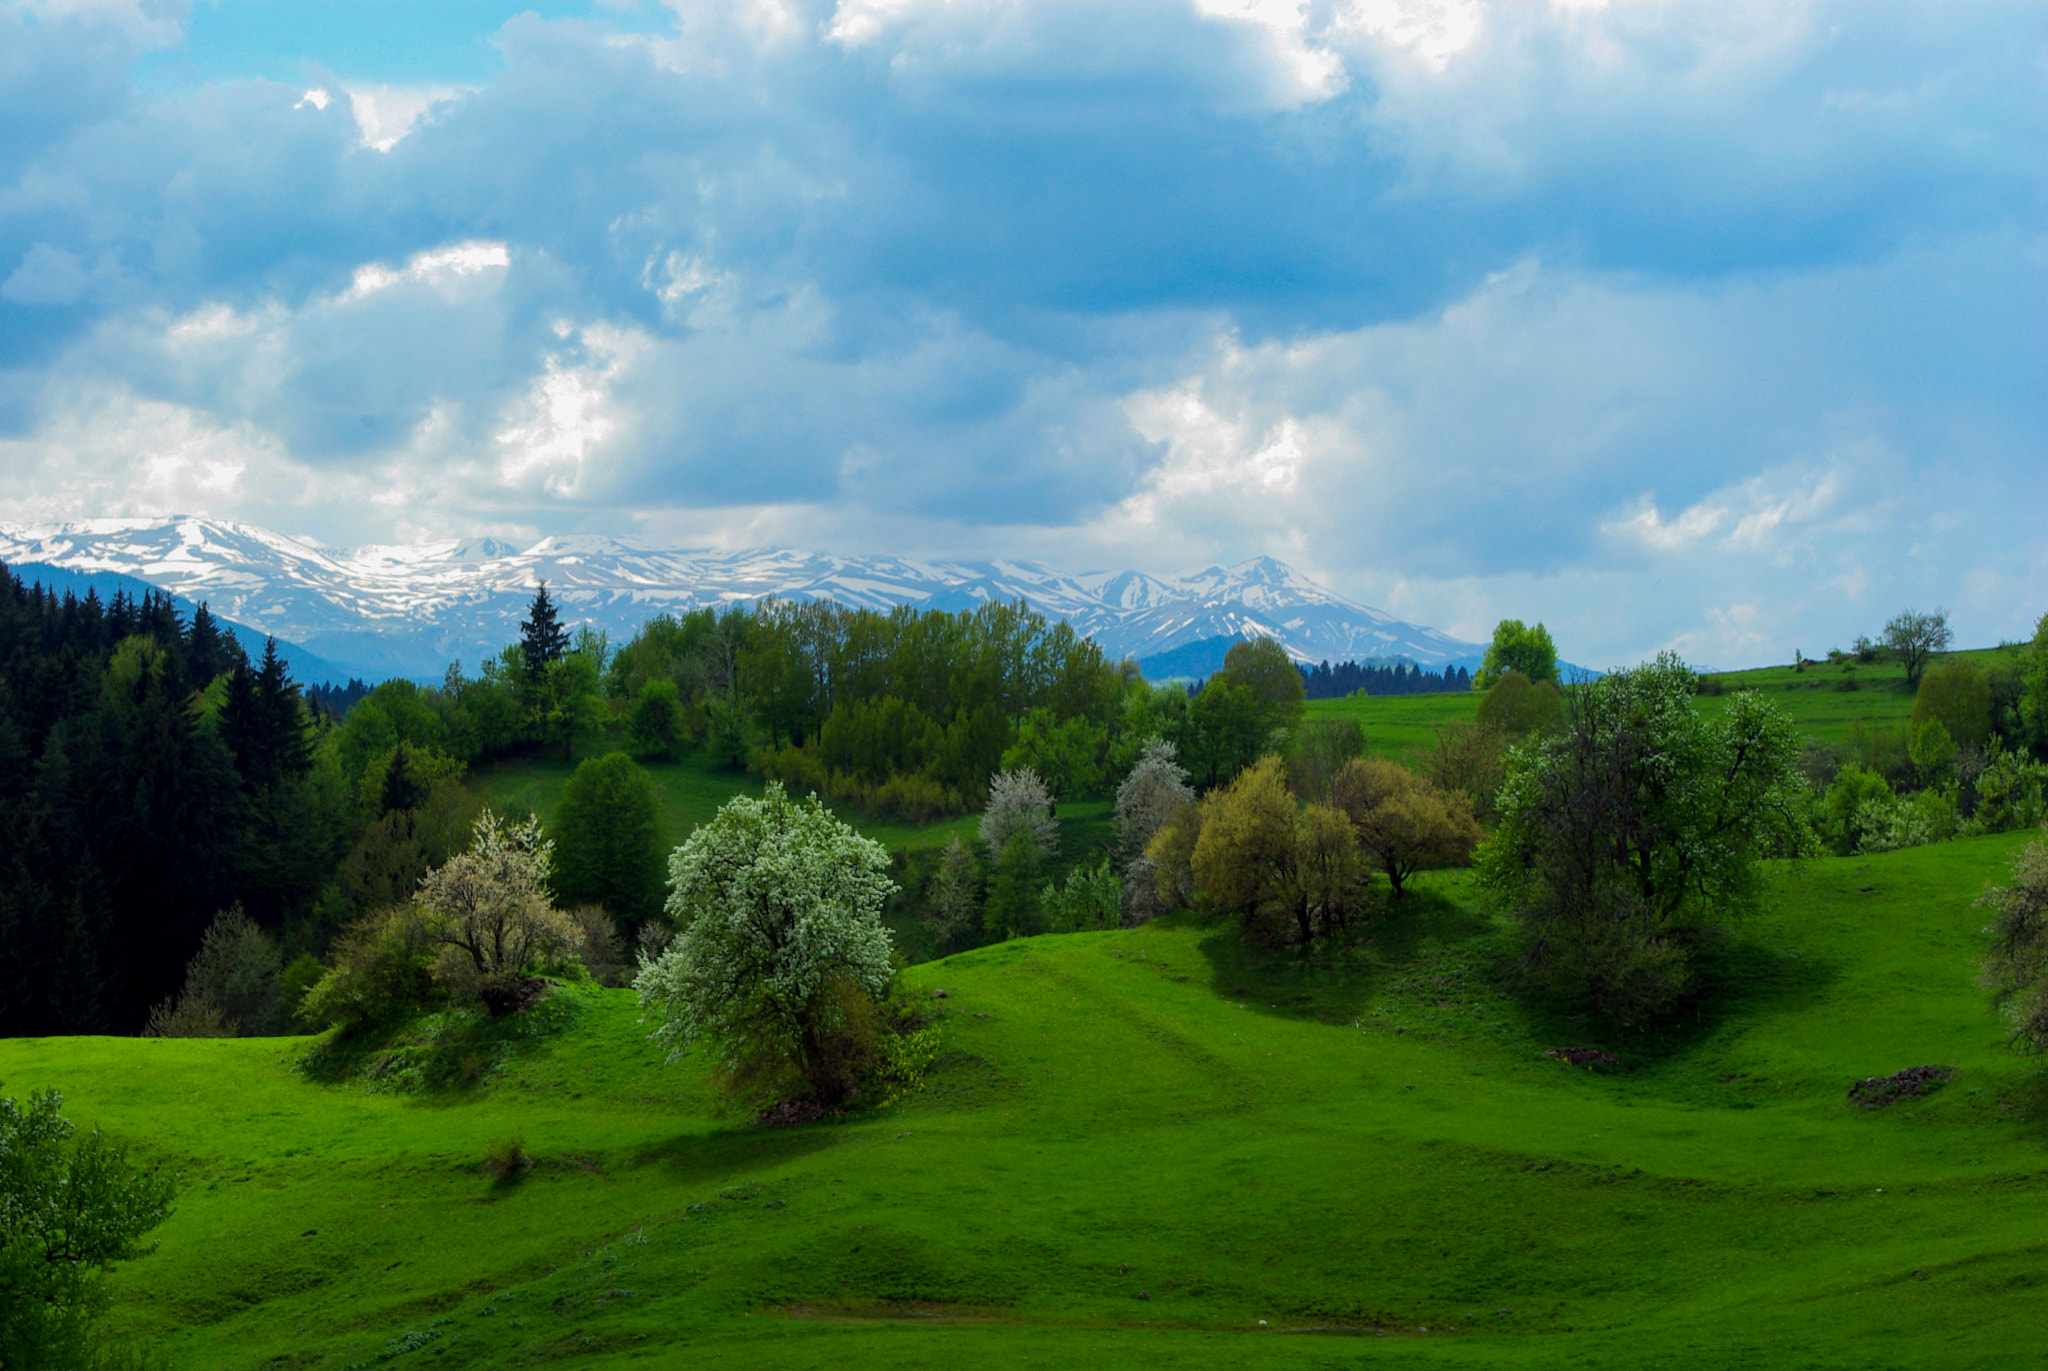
{"points": [[542, 639]]}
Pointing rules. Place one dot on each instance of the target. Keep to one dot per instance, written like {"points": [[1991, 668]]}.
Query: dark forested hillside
{"points": [[151, 775]]}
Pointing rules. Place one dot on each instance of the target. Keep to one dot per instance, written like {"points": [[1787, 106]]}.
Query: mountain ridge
{"points": [[408, 609]]}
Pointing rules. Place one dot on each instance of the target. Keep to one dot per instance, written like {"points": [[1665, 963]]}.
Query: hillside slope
{"points": [[1135, 1148]]}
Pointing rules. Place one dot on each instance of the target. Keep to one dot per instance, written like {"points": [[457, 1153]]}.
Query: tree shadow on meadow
{"points": [[1735, 982], [1335, 977]]}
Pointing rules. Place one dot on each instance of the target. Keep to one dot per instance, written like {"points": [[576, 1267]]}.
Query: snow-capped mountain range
{"points": [[409, 610]]}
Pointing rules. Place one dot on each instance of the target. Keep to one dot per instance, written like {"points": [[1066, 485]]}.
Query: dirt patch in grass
{"points": [[1876, 1092]]}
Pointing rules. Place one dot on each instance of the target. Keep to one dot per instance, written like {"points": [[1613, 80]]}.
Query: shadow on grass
{"points": [[728, 1151], [1733, 980], [441, 1056], [1332, 978]]}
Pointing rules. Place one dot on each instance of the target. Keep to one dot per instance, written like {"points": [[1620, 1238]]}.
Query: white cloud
{"points": [[440, 267], [384, 115]]}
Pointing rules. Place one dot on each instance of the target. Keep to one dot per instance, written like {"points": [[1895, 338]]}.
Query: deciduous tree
{"points": [[608, 840], [1914, 638], [779, 948], [70, 1208], [1517, 647], [1624, 833], [1406, 822]]}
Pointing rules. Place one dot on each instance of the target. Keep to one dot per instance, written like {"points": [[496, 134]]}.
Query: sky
{"points": [[1718, 326]]}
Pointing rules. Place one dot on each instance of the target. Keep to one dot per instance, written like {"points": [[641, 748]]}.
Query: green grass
{"points": [[1399, 725], [1353, 1146]]}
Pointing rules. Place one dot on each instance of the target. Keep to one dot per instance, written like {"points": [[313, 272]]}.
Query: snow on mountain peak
{"points": [[410, 608]]}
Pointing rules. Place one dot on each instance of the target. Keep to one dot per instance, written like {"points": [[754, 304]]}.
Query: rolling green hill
{"points": [[1136, 1147]]}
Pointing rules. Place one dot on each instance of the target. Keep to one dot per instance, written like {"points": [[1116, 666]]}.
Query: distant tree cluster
{"points": [[1326, 682]]}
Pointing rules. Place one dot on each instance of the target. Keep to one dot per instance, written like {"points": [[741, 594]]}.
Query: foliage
{"points": [[2011, 793], [1957, 696], [1170, 857], [1517, 647], [231, 988], [382, 968], [1319, 750], [1624, 834], [779, 949], [1091, 899], [1018, 802], [1854, 798], [608, 840], [953, 899], [506, 1159], [1149, 797], [1912, 638], [656, 727], [1406, 822], [2016, 968], [2033, 705], [1014, 908], [1516, 706], [1071, 755], [1471, 759], [1290, 873], [542, 639], [1263, 668], [488, 911], [69, 1209]]}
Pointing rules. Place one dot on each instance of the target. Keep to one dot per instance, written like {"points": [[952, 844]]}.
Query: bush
{"points": [[1518, 707], [1471, 759], [1320, 749], [2011, 794], [383, 966], [1092, 898], [2016, 970], [1958, 697], [231, 987], [597, 945], [1855, 798], [505, 1160]]}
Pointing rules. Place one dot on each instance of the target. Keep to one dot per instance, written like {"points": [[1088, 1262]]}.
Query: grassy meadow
{"points": [[1154, 1147]]}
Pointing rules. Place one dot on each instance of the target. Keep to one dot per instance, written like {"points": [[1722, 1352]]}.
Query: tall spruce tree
{"points": [[542, 639]]}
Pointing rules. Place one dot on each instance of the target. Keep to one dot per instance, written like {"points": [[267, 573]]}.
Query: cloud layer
{"points": [[1713, 325]]}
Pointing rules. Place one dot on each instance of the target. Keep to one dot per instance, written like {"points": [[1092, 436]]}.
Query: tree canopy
{"points": [[1640, 820], [1913, 638], [69, 1209], [779, 940], [1517, 647]]}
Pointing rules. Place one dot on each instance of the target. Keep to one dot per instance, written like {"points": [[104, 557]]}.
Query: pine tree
{"points": [[542, 637]]}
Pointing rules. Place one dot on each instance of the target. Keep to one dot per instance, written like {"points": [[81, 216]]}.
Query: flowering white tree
{"points": [[1019, 801], [489, 910], [779, 950]]}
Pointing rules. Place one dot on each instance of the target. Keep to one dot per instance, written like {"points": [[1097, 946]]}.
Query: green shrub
{"points": [[505, 1160], [1092, 898], [383, 965]]}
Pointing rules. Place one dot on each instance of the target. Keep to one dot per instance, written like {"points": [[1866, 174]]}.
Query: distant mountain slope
{"points": [[307, 668], [409, 610]]}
